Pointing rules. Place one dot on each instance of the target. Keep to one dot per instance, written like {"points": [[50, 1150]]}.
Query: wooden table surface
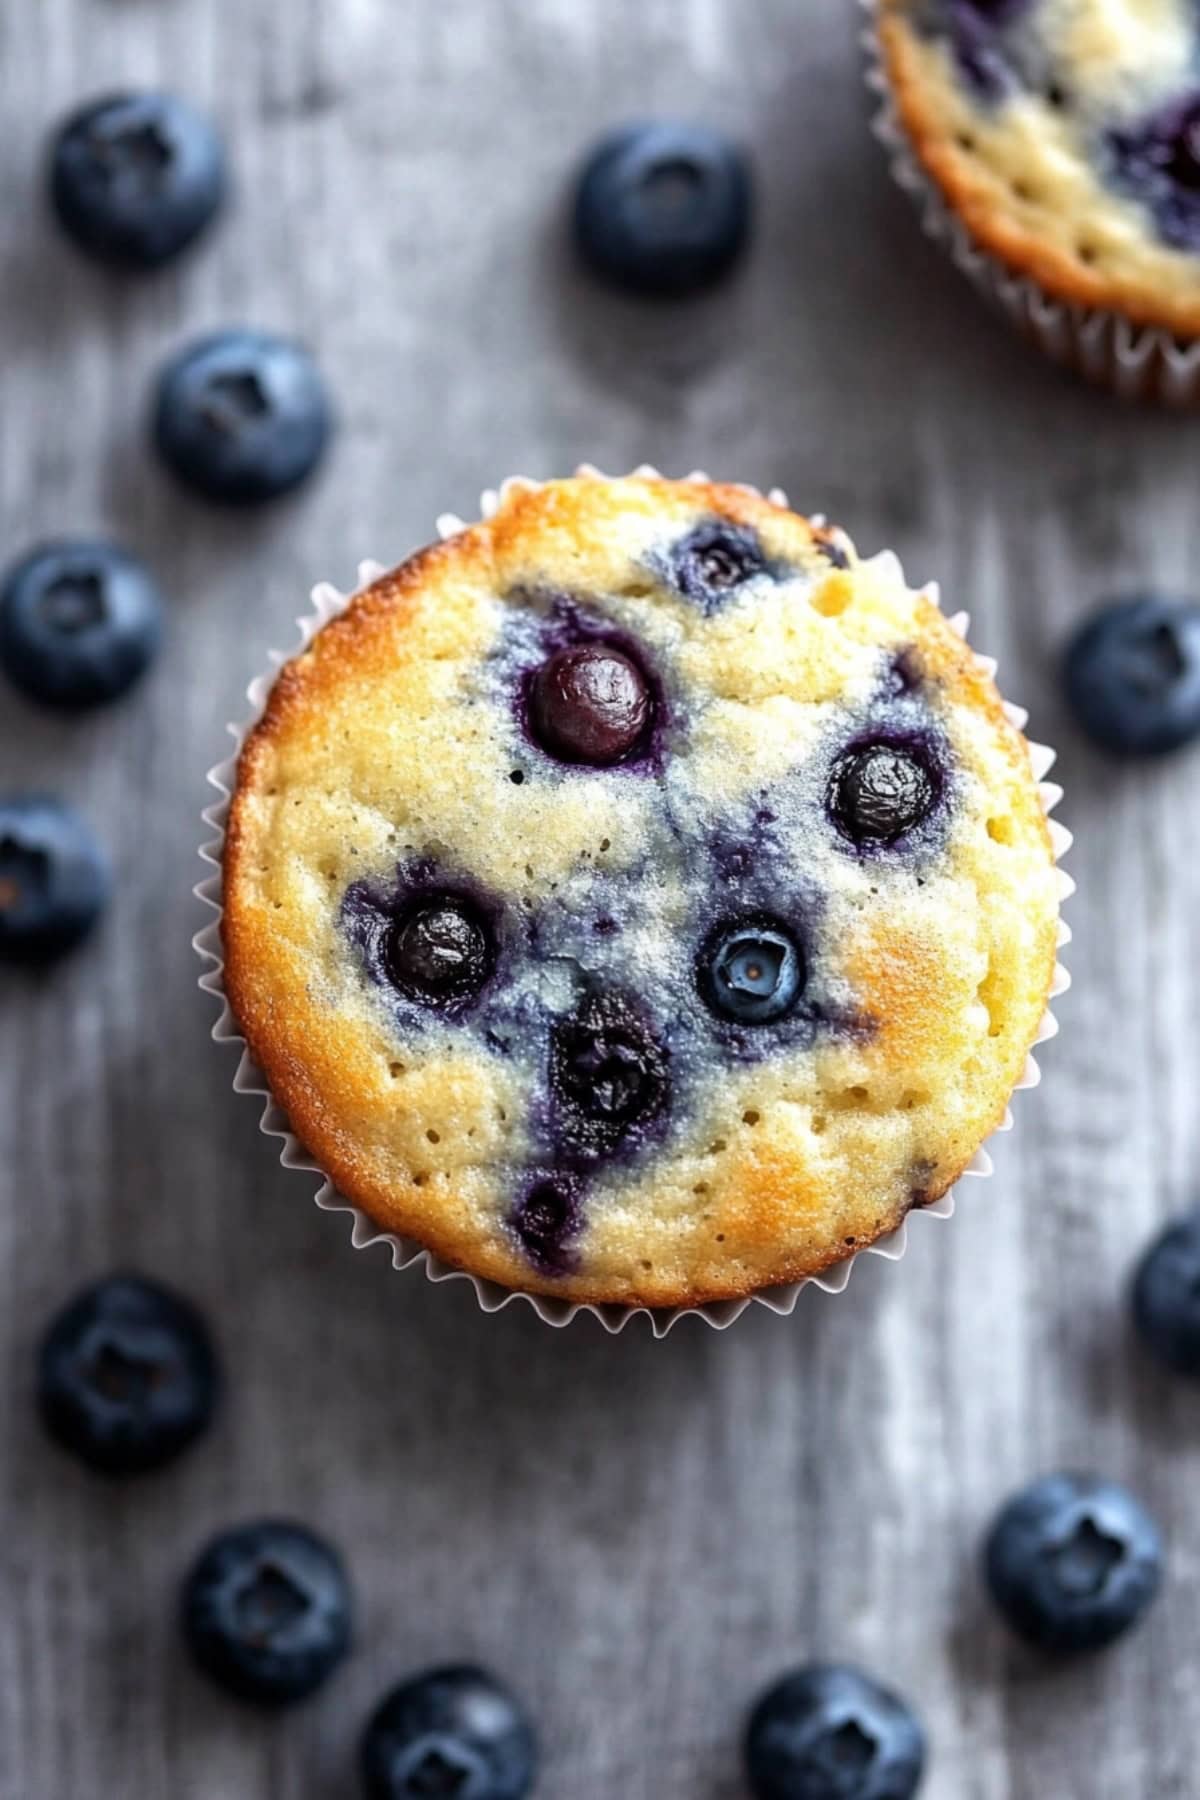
{"points": [[636, 1534]]}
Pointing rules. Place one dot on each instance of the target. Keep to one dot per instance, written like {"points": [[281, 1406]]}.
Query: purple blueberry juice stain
{"points": [[740, 849], [991, 58], [735, 861], [752, 870], [1158, 164]]}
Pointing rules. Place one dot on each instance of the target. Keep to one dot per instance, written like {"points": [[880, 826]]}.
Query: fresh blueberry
{"points": [[714, 561], [1166, 1296], [879, 791], [452, 1731], [440, 951], [242, 417], [1132, 675], [590, 704], [54, 878], [1159, 163], [127, 1376], [134, 178], [664, 208], [267, 1611], [546, 1218], [608, 1072], [752, 971], [79, 622], [1072, 1562], [830, 1733]]}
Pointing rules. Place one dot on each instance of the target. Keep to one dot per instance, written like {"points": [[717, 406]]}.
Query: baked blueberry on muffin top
{"points": [[1066, 136], [638, 897]]}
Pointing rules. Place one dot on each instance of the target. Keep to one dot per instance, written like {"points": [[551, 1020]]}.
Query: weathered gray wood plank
{"points": [[636, 1533]]}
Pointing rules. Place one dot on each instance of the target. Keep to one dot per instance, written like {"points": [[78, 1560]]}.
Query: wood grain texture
{"points": [[636, 1534]]}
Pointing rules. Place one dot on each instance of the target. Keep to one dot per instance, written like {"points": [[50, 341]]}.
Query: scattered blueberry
{"points": [[451, 1731], [242, 417], [714, 560], [1132, 675], [1072, 1562], [664, 208], [127, 1376], [54, 879], [79, 622], [136, 177], [608, 1072], [440, 950], [590, 704], [267, 1611], [1166, 1296], [545, 1220], [880, 791], [752, 971], [830, 1733]]}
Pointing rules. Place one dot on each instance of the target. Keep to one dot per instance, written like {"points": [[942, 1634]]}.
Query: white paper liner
{"points": [[328, 601], [1138, 362]]}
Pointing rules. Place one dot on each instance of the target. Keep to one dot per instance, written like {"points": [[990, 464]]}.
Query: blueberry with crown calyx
{"points": [[664, 209], [752, 971], [1132, 676], [54, 879], [127, 1376], [449, 1732], [136, 177], [267, 1611], [1073, 1562], [832, 1733], [80, 621], [242, 417]]}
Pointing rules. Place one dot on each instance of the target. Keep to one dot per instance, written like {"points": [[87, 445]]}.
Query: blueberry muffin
{"points": [[1065, 135], [638, 897]]}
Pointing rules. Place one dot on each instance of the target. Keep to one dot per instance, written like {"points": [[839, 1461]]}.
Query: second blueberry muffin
{"points": [[1064, 137], [638, 897]]}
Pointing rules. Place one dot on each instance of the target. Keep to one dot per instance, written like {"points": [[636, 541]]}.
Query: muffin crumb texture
{"points": [[638, 897], [1065, 134]]}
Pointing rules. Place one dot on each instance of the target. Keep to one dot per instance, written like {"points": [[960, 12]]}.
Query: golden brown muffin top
{"points": [[638, 897], [1065, 134]]}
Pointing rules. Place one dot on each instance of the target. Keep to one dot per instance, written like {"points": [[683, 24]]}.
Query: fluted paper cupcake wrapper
{"points": [[406, 1253], [1138, 362]]}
